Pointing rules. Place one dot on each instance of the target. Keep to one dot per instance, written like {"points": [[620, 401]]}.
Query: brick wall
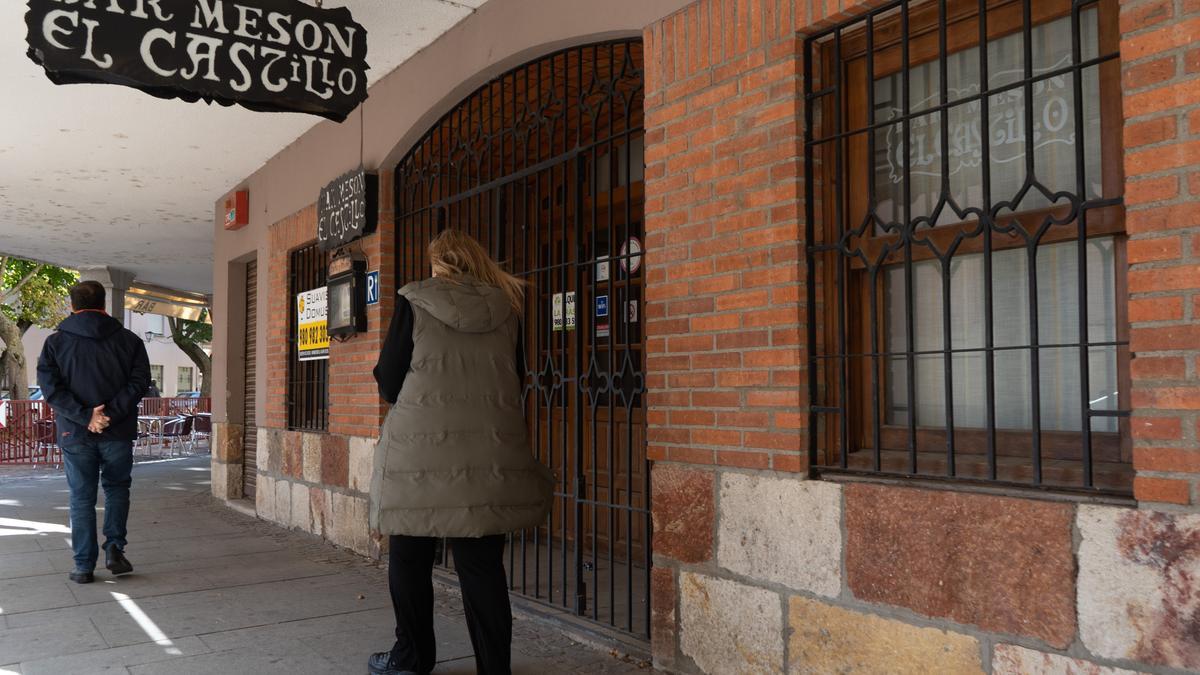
{"points": [[1161, 79], [758, 569], [319, 482], [354, 405], [286, 235], [724, 313]]}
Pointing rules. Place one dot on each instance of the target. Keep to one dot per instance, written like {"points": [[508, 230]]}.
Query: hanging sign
{"points": [[631, 256], [347, 209], [312, 336], [266, 55], [570, 311]]}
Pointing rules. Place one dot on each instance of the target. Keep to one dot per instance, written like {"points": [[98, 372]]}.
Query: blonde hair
{"points": [[456, 255]]}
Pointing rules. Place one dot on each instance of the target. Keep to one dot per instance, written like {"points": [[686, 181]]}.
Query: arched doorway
{"points": [[544, 165]]}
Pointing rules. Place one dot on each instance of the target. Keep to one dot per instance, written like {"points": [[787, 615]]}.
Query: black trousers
{"points": [[480, 566]]}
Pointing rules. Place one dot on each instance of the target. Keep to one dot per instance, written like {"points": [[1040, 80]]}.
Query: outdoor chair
{"points": [[201, 428], [176, 432], [145, 435], [45, 442]]}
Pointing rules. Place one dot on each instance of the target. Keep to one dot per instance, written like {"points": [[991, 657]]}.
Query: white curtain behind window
{"points": [[1058, 323], [184, 380], [1054, 144]]}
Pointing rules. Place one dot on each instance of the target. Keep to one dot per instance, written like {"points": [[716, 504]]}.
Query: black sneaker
{"points": [[81, 576], [380, 663], [117, 563]]}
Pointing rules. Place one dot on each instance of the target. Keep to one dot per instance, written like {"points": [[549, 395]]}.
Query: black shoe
{"points": [[81, 576], [117, 563], [380, 663]]}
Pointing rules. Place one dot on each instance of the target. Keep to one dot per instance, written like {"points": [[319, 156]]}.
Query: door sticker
{"points": [[631, 256], [602, 269], [557, 311]]}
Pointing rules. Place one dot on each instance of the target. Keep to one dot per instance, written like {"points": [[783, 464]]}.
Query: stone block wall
{"points": [[227, 455], [759, 569], [805, 576], [317, 483]]}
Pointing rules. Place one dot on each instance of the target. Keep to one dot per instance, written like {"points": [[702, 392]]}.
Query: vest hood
{"points": [[466, 306]]}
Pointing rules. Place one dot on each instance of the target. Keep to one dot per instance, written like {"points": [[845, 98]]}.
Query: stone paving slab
{"points": [[214, 591], [115, 660], [35, 593], [290, 656], [71, 636]]}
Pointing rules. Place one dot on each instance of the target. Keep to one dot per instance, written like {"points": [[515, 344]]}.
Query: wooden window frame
{"points": [[962, 32]]}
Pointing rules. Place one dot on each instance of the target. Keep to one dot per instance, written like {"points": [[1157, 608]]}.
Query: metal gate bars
{"points": [[544, 166]]}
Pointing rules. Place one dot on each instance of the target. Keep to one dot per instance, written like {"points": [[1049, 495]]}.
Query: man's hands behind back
{"points": [[99, 420]]}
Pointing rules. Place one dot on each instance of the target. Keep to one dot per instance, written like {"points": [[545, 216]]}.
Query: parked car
{"points": [[188, 394], [35, 393]]}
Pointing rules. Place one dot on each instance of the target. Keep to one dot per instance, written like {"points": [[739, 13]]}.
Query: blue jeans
{"points": [[111, 463]]}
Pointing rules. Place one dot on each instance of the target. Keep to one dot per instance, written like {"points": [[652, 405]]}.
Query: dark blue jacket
{"points": [[93, 360]]}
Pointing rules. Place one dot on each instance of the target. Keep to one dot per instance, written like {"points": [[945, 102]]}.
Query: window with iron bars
{"points": [[966, 245], [308, 381], [184, 377]]}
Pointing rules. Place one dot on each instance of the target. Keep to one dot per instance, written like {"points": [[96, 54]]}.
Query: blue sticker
{"points": [[373, 288], [601, 305]]}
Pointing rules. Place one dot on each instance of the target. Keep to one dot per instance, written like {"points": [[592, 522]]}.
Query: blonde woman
{"points": [[453, 458]]}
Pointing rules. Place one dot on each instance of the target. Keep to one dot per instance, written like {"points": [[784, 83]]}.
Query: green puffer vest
{"points": [[453, 458]]}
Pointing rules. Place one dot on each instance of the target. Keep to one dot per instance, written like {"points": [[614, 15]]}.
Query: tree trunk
{"points": [[13, 363], [195, 353]]}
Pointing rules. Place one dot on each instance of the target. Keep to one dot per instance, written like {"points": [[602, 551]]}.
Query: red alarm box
{"points": [[237, 210]]}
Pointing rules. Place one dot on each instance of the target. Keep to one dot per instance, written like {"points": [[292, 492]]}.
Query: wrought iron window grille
{"points": [[942, 212], [308, 381]]}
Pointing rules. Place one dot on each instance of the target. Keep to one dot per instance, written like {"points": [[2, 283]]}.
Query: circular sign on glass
{"points": [[631, 256]]}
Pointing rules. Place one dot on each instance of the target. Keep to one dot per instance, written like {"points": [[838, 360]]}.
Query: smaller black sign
{"points": [[347, 209]]}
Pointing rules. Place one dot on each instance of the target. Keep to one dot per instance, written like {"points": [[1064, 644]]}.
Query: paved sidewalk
{"points": [[213, 591]]}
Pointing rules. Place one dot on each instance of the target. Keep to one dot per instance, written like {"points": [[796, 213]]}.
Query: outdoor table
{"points": [[154, 426]]}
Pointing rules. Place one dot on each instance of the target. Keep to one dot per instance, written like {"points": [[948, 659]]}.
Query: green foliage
{"points": [[195, 332], [42, 300]]}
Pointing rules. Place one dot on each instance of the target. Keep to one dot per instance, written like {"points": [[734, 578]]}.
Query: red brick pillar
{"points": [[286, 235], [1160, 64], [355, 406], [725, 312]]}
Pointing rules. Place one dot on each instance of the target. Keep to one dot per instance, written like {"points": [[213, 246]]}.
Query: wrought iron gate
{"points": [[544, 166]]}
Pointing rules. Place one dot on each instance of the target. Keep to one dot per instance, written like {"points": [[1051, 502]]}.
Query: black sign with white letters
{"points": [[347, 209], [266, 55]]}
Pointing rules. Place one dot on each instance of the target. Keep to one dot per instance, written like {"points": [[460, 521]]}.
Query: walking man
{"points": [[94, 372]]}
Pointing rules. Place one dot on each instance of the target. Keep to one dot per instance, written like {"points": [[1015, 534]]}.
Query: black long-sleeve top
{"points": [[395, 358]]}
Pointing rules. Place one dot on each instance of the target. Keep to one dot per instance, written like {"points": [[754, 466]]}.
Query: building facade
{"points": [[173, 372], [859, 335]]}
